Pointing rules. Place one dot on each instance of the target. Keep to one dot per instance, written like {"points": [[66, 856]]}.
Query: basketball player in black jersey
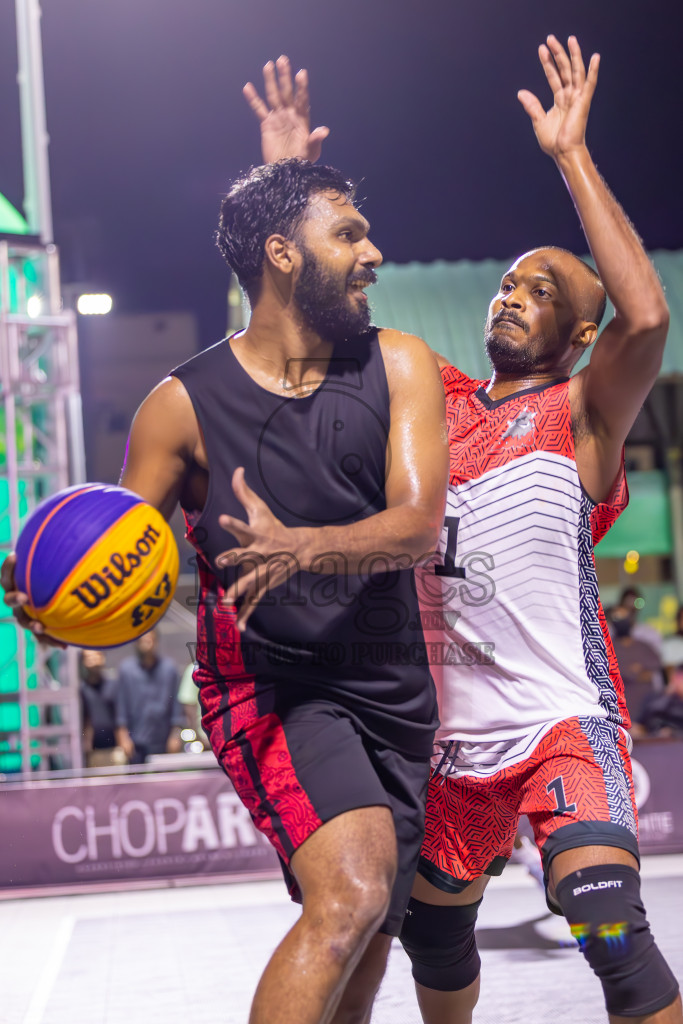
{"points": [[312, 474]]}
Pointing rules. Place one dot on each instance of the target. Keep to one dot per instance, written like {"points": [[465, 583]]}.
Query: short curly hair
{"points": [[271, 199]]}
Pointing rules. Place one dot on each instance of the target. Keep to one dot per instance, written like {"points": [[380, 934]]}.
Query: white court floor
{"points": [[177, 955]]}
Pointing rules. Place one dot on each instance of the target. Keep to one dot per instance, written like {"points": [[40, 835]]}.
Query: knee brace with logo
{"points": [[441, 946], [607, 918]]}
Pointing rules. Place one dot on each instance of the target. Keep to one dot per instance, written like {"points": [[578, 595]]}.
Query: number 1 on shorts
{"points": [[557, 787]]}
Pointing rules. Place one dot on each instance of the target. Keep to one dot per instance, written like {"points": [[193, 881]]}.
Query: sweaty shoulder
{"points": [[407, 358], [162, 445], [395, 344], [168, 410], [165, 426]]}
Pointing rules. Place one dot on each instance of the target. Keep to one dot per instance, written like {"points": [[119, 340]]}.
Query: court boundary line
{"points": [[48, 976]]}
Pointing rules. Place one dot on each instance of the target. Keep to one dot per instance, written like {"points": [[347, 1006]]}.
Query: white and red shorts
{"points": [[575, 786]]}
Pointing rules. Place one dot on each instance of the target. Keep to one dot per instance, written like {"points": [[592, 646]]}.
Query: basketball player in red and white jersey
{"points": [[532, 708], [533, 716]]}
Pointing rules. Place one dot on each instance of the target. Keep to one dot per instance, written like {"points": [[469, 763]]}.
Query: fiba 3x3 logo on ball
{"points": [[99, 565]]}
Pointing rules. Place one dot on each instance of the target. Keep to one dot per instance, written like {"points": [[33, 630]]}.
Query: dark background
{"points": [[148, 125]]}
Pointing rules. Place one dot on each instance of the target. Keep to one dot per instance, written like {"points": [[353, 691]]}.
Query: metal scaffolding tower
{"points": [[40, 410], [40, 405]]}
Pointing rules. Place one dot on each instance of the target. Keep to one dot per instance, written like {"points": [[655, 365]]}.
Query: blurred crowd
{"points": [[651, 666], [144, 708]]}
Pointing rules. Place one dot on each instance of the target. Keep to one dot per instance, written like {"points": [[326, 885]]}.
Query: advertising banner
{"points": [[657, 774], [191, 825], [133, 828]]}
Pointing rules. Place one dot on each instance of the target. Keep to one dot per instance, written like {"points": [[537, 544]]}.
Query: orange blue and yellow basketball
{"points": [[99, 565]]}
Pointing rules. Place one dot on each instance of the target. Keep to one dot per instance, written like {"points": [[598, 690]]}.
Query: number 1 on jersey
{"points": [[449, 568]]}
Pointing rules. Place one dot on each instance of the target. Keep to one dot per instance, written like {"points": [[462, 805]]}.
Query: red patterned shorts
{"points": [[576, 789], [300, 766]]}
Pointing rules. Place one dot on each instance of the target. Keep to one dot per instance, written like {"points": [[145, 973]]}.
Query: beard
{"points": [[325, 304], [506, 357]]}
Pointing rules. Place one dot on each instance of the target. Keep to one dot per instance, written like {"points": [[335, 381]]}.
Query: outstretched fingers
{"points": [[255, 102], [561, 58], [562, 61], [302, 103], [284, 76], [592, 76], [577, 65], [247, 588], [247, 498], [550, 68], [277, 83], [569, 70], [271, 87], [241, 531], [315, 143], [532, 106], [257, 576]]}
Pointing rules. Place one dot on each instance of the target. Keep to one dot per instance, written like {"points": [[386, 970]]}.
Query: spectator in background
{"points": [[672, 646], [148, 714], [633, 601], [662, 713], [639, 663], [97, 690], [188, 695]]}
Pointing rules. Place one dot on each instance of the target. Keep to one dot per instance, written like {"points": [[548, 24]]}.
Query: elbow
{"points": [[431, 538], [653, 321], [425, 538]]}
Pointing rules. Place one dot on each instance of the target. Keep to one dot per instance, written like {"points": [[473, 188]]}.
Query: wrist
{"points": [[302, 547], [574, 157]]}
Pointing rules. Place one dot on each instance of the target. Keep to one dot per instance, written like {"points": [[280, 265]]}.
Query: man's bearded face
{"points": [[329, 304]]}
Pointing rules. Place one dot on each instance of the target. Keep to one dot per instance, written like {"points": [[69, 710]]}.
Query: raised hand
{"points": [[285, 115], [266, 556], [562, 128]]}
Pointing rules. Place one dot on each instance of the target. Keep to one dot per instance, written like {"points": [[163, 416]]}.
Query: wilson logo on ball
{"points": [[98, 586], [99, 565]]}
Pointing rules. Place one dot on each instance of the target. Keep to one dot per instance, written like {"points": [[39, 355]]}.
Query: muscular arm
{"points": [[417, 468], [607, 395], [417, 460], [161, 446], [628, 355]]}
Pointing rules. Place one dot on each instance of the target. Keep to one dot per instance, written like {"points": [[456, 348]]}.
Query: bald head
{"points": [[586, 288], [545, 315]]}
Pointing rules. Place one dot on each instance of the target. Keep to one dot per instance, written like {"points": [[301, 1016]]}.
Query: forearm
{"points": [[396, 538], [630, 280], [399, 537]]}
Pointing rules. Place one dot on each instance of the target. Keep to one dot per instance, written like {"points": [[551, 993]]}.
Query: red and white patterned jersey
{"points": [[516, 634]]}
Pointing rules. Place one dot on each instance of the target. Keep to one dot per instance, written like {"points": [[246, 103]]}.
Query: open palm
{"points": [[284, 116], [563, 127]]}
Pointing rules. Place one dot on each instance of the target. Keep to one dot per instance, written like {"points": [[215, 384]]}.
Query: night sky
{"points": [[148, 125]]}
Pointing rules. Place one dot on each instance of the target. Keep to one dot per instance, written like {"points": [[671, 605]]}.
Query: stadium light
{"points": [[94, 305], [34, 306]]}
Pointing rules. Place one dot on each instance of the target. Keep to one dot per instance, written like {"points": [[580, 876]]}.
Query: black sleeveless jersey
{"points": [[317, 460]]}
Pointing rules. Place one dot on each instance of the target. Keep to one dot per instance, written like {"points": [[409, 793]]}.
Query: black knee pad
{"points": [[603, 907], [441, 946]]}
